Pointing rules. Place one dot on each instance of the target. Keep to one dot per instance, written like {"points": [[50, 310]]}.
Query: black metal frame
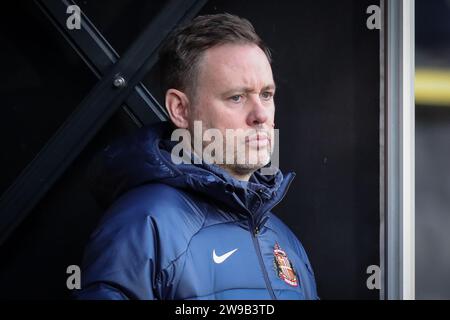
{"points": [[99, 56], [98, 106]]}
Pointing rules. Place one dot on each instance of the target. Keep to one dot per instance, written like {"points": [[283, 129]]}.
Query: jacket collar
{"points": [[145, 157]]}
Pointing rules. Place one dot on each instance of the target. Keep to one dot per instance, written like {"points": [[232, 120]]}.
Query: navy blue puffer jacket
{"points": [[189, 231]]}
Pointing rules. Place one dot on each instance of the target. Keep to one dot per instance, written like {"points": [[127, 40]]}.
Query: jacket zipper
{"points": [[254, 233]]}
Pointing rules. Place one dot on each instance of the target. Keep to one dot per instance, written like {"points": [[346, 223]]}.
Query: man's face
{"points": [[235, 90]]}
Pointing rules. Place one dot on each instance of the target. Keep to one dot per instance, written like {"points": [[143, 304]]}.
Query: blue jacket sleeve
{"points": [[310, 285], [119, 260]]}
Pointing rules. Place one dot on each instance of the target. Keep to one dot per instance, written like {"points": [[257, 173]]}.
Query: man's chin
{"points": [[244, 169]]}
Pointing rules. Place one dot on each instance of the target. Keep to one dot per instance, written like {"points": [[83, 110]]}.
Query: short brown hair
{"points": [[180, 54]]}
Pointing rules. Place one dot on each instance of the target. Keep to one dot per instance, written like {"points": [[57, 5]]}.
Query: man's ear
{"points": [[177, 104]]}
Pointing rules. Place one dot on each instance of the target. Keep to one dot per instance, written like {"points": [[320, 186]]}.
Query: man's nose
{"points": [[259, 112]]}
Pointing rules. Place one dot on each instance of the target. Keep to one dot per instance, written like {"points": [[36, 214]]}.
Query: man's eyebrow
{"points": [[247, 89], [270, 87]]}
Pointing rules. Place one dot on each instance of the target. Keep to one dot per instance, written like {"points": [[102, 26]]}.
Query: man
{"points": [[200, 229]]}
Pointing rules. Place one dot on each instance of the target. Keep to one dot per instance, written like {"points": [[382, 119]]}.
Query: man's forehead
{"points": [[246, 65]]}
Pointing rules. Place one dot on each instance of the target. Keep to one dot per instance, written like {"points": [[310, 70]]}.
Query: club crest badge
{"points": [[284, 267]]}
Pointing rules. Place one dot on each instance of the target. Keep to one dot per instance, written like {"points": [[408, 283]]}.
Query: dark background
{"points": [[326, 65]]}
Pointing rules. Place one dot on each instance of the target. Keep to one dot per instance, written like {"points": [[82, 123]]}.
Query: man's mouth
{"points": [[260, 139]]}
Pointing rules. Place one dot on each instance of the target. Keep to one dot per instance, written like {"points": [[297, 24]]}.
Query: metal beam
{"points": [[399, 102], [82, 125], [99, 56], [383, 152]]}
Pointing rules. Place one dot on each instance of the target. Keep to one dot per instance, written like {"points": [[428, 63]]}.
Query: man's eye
{"points": [[236, 98], [266, 95]]}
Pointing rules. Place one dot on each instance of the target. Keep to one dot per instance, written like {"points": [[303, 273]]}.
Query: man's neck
{"points": [[242, 177]]}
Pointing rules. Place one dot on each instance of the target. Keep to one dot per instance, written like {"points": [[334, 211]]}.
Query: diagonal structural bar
{"points": [[92, 113]]}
